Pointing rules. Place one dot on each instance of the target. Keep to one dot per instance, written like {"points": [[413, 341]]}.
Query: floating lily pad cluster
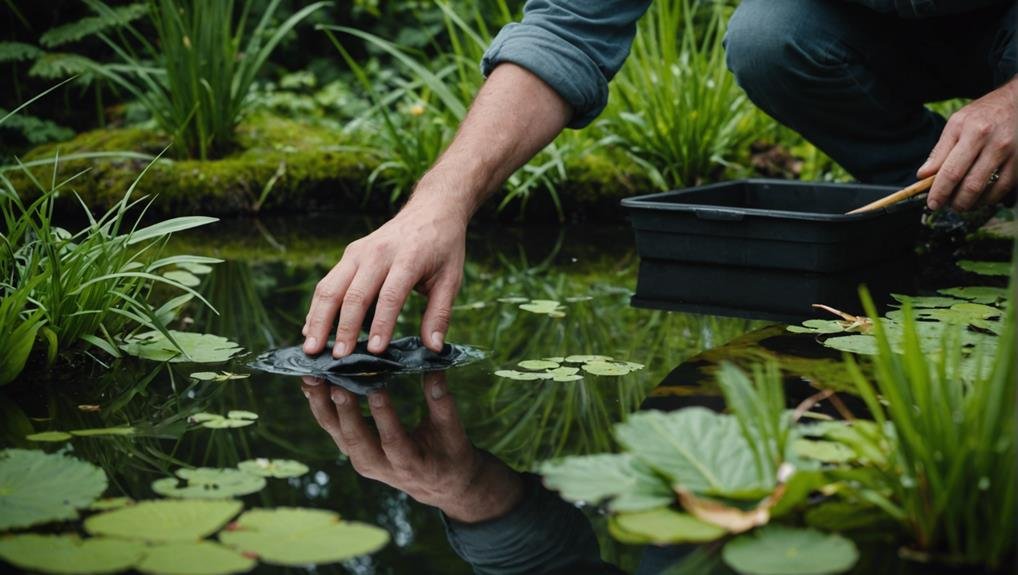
{"points": [[217, 483], [163, 536], [554, 368], [59, 436], [970, 314], [233, 418], [197, 347]]}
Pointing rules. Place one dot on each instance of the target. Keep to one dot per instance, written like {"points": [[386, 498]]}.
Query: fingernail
{"points": [[437, 391], [310, 343], [307, 394], [338, 397], [340, 349], [933, 204], [436, 339], [923, 167], [376, 400], [376, 342]]}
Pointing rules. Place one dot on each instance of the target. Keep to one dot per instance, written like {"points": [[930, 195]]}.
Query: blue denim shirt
{"points": [[577, 46]]}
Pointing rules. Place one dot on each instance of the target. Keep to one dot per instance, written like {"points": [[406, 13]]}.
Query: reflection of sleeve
{"points": [[542, 534], [575, 46]]}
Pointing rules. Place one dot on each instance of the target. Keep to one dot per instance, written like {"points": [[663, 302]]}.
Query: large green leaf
{"points": [[298, 537], [986, 268], [197, 347], [37, 487], [194, 558], [208, 483], [662, 526], [780, 550], [165, 520], [697, 449], [629, 484], [70, 554]]}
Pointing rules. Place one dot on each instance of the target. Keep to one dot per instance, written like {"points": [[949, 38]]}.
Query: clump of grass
{"points": [[951, 473], [89, 286], [674, 106], [195, 80]]}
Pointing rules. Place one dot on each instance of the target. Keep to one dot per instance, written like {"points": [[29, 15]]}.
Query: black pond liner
{"points": [[774, 224], [363, 372]]}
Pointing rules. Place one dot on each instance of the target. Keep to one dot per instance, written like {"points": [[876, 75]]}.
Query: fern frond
{"points": [[36, 130], [61, 65], [74, 31], [17, 51]]}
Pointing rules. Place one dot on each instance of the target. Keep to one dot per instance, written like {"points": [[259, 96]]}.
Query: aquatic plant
{"points": [[950, 475], [195, 79], [37, 487], [696, 118]]}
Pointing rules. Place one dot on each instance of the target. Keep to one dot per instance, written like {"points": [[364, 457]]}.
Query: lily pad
{"points": [[273, 467], [197, 347], [780, 550], [662, 526], [926, 301], [194, 558], [165, 520], [978, 294], [818, 326], [566, 378], [70, 554], [209, 483], [537, 364], [522, 375], [50, 436], [697, 449], [587, 358], [218, 375], [610, 368], [547, 307], [38, 487], [861, 344], [624, 481], [299, 537], [108, 503], [986, 268]]}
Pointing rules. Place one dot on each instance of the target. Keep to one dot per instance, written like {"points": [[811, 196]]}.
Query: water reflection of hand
{"points": [[435, 464]]}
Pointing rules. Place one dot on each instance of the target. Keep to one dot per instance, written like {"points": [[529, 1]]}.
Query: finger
{"points": [[325, 303], [391, 297], [356, 301], [977, 181], [435, 323], [948, 139], [322, 409], [1007, 182], [392, 438], [359, 442], [442, 413], [954, 170]]}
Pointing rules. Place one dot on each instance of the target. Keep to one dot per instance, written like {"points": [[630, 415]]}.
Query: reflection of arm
{"points": [[541, 534], [574, 46]]}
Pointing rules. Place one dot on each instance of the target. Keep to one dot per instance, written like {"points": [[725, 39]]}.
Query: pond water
{"points": [[262, 291]]}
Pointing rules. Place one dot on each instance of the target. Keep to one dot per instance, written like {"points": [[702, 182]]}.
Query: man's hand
{"points": [[436, 464], [980, 140], [423, 248]]}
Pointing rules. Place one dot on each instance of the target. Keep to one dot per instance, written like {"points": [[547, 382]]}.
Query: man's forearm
{"points": [[514, 116]]}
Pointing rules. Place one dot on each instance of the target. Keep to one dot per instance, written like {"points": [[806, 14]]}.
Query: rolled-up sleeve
{"points": [[575, 46]]}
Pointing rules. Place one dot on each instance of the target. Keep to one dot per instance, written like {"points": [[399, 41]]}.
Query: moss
{"points": [[316, 169]]}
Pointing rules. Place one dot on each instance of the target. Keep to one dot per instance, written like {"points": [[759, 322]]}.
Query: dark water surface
{"points": [[262, 292]]}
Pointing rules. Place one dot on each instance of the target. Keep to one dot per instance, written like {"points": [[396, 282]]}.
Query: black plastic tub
{"points": [[774, 224]]}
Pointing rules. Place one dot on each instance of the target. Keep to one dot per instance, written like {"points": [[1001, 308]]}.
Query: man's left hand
{"points": [[976, 159]]}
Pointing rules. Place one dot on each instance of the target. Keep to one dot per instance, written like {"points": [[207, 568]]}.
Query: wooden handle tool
{"points": [[903, 194]]}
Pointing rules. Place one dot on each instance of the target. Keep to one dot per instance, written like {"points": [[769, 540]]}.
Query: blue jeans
{"points": [[854, 81]]}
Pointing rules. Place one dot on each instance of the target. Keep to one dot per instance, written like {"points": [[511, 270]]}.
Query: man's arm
{"points": [[514, 115]]}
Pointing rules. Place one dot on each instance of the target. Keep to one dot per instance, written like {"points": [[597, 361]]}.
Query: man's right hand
{"points": [[422, 247]]}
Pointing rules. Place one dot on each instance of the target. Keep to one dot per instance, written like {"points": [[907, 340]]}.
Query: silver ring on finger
{"points": [[993, 178]]}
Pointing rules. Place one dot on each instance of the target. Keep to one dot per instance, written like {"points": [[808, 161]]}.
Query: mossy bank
{"points": [[283, 165]]}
